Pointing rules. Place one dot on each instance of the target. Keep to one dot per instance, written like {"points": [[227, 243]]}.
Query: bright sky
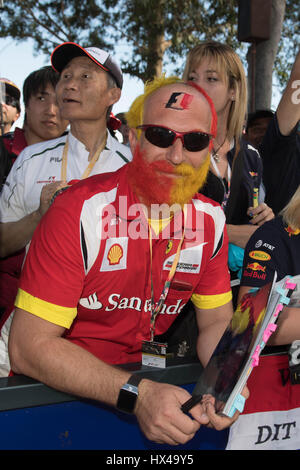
{"points": [[17, 61]]}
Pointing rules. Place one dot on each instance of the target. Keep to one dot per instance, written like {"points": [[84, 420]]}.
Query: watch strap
{"points": [[135, 379], [128, 393]]}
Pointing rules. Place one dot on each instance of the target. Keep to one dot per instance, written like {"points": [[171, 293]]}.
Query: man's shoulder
{"points": [[36, 154], [270, 234], [96, 186], [251, 155], [200, 200], [249, 149], [7, 140], [45, 146], [122, 150], [8, 136], [209, 207]]}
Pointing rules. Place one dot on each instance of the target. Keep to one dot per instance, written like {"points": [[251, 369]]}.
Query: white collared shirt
{"points": [[40, 164]]}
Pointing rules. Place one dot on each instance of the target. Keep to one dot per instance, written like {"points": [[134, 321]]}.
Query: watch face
{"points": [[126, 400]]}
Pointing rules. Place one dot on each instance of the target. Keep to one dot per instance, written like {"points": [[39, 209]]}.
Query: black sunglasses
{"points": [[164, 137]]}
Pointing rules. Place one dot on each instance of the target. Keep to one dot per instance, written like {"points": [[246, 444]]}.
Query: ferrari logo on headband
{"points": [[184, 102]]}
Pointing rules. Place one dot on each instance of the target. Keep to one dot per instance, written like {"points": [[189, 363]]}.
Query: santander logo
{"points": [[115, 301]]}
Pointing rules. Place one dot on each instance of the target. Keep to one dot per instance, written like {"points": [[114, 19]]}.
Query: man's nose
{"points": [[175, 153], [70, 83], [52, 108]]}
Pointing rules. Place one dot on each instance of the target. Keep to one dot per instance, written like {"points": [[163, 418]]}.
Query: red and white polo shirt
{"points": [[88, 268]]}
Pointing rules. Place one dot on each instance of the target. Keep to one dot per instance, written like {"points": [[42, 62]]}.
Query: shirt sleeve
{"points": [[12, 207], [214, 288], [53, 274], [275, 144], [264, 254]]}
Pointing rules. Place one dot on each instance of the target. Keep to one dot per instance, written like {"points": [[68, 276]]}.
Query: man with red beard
{"points": [[91, 294]]}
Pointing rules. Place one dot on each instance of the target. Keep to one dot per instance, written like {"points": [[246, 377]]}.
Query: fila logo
{"points": [[115, 254]]}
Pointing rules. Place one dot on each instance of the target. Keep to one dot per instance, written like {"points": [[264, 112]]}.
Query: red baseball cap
{"points": [[66, 51]]}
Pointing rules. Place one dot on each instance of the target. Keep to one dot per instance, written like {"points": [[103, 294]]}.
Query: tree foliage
{"points": [[146, 35], [162, 31], [290, 42]]}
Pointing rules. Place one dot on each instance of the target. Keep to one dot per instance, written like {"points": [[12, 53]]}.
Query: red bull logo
{"points": [[256, 267], [257, 271], [291, 231]]}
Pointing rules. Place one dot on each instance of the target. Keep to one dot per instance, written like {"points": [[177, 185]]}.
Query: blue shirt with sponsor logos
{"points": [[272, 247]]}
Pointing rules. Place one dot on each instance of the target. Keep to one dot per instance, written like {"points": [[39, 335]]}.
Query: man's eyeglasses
{"points": [[11, 101], [164, 137]]}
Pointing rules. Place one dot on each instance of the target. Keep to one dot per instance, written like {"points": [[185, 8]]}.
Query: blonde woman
{"points": [[235, 175]]}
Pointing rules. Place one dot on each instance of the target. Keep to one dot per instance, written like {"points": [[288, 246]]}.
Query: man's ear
{"points": [[16, 117], [114, 95], [133, 140]]}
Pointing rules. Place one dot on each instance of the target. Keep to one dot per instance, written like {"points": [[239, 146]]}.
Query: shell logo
{"points": [[115, 254]]}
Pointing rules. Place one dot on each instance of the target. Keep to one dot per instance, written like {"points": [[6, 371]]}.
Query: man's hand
{"points": [[260, 214], [46, 195], [159, 414], [158, 411], [217, 421]]}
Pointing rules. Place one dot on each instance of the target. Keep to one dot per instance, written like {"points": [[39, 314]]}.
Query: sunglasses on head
{"points": [[164, 137]]}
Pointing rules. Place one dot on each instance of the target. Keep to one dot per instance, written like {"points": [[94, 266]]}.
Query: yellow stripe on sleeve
{"points": [[62, 316], [211, 301]]}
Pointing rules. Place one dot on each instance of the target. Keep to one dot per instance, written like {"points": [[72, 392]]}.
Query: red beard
{"points": [[153, 185]]}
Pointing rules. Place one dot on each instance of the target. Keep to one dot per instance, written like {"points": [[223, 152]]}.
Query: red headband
{"points": [[214, 121]]}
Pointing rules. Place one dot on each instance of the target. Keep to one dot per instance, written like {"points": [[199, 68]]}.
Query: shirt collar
{"points": [[79, 148]]}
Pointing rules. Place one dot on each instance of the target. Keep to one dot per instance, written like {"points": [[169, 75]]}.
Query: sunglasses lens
{"points": [[159, 136], [163, 137], [196, 141]]}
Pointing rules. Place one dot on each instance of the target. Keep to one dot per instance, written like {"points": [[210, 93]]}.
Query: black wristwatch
{"points": [[129, 393]]}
